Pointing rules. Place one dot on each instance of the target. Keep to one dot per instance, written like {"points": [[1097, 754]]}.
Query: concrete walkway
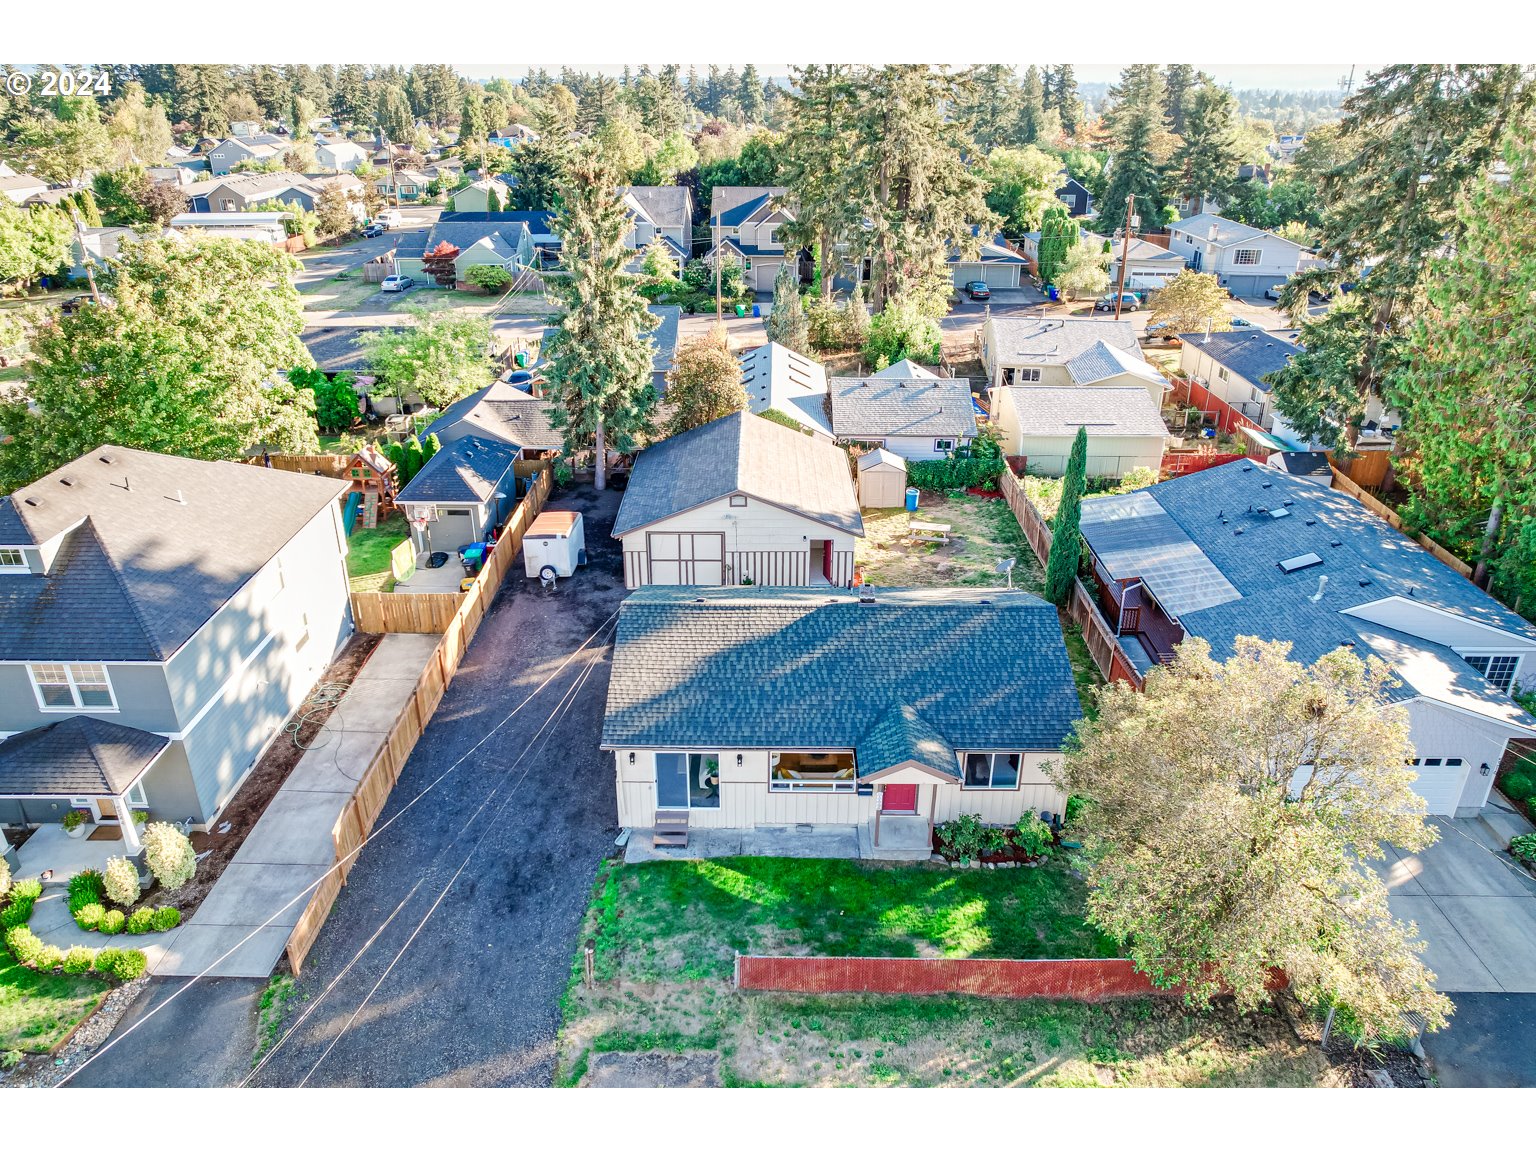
{"points": [[291, 847], [805, 841]]}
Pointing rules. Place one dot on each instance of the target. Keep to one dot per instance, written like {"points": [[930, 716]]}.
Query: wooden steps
{"points": [[671, 829]]}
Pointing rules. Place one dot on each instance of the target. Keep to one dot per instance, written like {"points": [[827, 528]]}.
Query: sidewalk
{"points": [[289, 848]]}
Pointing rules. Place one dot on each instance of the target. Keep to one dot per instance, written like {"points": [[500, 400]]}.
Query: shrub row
{"points": [[24, 894], [30, 951], [941, 475], [966, 838], [109, 922]]}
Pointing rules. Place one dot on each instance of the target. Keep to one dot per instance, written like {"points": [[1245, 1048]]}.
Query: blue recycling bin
{"points": [[756, 311], [911, 499], [1055, 296]]}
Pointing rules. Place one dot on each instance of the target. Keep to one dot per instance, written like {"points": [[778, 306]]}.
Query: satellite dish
{"points": [[1005, 567]]}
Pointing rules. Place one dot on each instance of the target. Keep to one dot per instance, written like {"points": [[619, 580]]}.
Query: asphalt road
{"points": [[462, 917], [486, 898], [323, 263], [1488, 1043]]}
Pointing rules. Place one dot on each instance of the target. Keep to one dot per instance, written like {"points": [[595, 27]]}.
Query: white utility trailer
{"points": [[554, 545]]}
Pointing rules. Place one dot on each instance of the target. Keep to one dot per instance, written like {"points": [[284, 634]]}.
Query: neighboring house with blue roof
{"points": [[760, 708], [497, 238], [185, 607], [747, 222], [996, 265], [739, 499], [1245, 260], [1247, 550], [504, 413], [664, 338], [1233, 367], [465, 490]]}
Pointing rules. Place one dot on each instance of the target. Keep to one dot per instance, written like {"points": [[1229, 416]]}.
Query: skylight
{"points": [[1297, 563]]}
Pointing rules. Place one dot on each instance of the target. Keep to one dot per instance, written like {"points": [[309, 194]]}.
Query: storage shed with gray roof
{"points": [[465, 490], [752, 707], [739, 499]]}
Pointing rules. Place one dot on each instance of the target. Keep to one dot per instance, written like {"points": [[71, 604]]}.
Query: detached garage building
{"points": [[739, 500], [997, 265], [1245, 550], [1125, 429]]}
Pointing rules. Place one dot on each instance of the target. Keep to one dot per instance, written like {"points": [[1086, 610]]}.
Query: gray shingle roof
{"points": [[1364, 558], [502, 412], [903, 406], [466, 234], [165, 543], [1101, 361], [731, 205], [1024, 339], [1103, 411], [668, 207], [466, 471], [901, 736], [1252, 355], [81, 756], [741, 453], [1228, 232], [778, 668]]}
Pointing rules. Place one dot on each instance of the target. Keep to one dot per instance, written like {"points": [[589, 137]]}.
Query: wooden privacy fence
{"points": [[1103, 646], [1344, 484], [1090, 981], [357, 819], [327, 464]]}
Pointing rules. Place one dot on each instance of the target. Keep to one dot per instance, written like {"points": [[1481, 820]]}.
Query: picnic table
{"points": [[929, 531]]}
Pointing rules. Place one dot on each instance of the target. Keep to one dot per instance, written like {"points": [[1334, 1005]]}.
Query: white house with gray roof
{"points": [[876, 713], [185, 607], [1029, 350], [1247, 550], [1245, 260], [916, 417], [664, 213], [1124, 426], [739, 500]]}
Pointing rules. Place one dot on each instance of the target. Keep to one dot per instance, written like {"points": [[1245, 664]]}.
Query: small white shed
{"points": [[882, 479]]}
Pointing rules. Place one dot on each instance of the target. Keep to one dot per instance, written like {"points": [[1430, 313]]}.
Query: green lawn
{"points": [[16, 372], [665, 935], [686, 919], [1085, 673], [336, 295], [368, 555], [38, 1009], [983, 531], [432, 299]]}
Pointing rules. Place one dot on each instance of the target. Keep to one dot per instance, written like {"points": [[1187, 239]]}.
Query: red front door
{"points": [[899, 798]]}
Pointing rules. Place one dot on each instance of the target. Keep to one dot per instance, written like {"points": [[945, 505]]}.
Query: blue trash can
{"points": [[911, 499], [756, 311], [1055, 296]]}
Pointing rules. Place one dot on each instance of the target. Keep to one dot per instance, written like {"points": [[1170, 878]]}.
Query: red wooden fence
{"points": [[1086, 980]]}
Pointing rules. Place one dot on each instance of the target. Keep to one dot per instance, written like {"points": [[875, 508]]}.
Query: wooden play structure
{"points": [[373, 487]]}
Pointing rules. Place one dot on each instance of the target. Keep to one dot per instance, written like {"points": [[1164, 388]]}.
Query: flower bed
{"points": [[967, 840], [122, 964]]}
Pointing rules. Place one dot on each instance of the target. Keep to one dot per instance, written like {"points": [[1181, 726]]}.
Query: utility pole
{"points": [[1125, 253], [85, 256], [719, 257]]}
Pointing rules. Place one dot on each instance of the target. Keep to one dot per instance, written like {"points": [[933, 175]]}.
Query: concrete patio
{"points": [[51, 848], [424, 579], [899, 841], [1475, 908]]}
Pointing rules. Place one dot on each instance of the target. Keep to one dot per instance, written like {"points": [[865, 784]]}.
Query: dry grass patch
{"points": [[984, 532]]}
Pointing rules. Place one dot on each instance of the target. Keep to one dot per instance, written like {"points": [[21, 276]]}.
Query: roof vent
{"points": [[1237, 531], [1310, 523], [107, 458], [67, 481], [33, 501], [1266, 484], [1247, 467], [1335, 543], [1297, 563], [866, 594]]}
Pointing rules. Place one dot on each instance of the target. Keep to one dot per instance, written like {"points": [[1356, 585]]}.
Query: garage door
{"points": [[1002, 275], [965, 273], [452, 529], [1249, 285], [687, 557], [1440, 782]]}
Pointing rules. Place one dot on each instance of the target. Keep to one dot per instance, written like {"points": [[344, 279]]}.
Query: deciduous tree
{"points": [[1022, 184], [187, 359], [441, 357], [1226, 842], [1084, 272], [1189, 302], [704, 383]]}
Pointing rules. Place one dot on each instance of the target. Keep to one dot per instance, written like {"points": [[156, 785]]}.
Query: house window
{"points": [[1026, 375], [1246, 256], [773, 236], [943, 445], [226, 205], [992, 769], [738, 501], [136, 798], [12, 560], [62, 687], [1221, 374], [812, 772], [1497, 670]]}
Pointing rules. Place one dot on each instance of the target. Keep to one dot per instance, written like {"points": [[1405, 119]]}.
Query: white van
{"points": [[391, 218]]}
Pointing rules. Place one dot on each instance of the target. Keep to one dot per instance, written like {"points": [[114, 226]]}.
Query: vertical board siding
{"points": [[357, 819]]}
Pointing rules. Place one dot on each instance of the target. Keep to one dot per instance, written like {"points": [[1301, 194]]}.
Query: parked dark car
{"points": [[978, 290], [374, 229], [74, 304]]}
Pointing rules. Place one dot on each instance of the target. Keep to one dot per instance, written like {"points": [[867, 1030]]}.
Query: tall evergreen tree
{"points": [[599, 354], [1206, 161], [353, 100], [1141, 147], [816, 152], [787, 323], [1032, 106], [990, 106], [1066, 535], [1065, 100], [1058, 233], [1413, 139], [1179, 80], [749, 94], [474, 133]]}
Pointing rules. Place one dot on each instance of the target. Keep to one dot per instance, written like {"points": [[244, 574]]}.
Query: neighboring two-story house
{"points": [[1244, 260], [165, 616], [1232, 366], [665, 213], [338, 154], [739, 499], [747, 223], [1027, 350], [223, 156], [1247, 550]]}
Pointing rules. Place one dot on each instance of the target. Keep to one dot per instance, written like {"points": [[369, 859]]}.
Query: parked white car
{"points": [[396, 284]]}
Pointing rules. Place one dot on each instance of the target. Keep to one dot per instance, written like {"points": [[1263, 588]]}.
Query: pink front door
{"points": [[899, 798]]}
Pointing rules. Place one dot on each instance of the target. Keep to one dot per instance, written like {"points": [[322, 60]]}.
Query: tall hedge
{"points": [[940, 475]]}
